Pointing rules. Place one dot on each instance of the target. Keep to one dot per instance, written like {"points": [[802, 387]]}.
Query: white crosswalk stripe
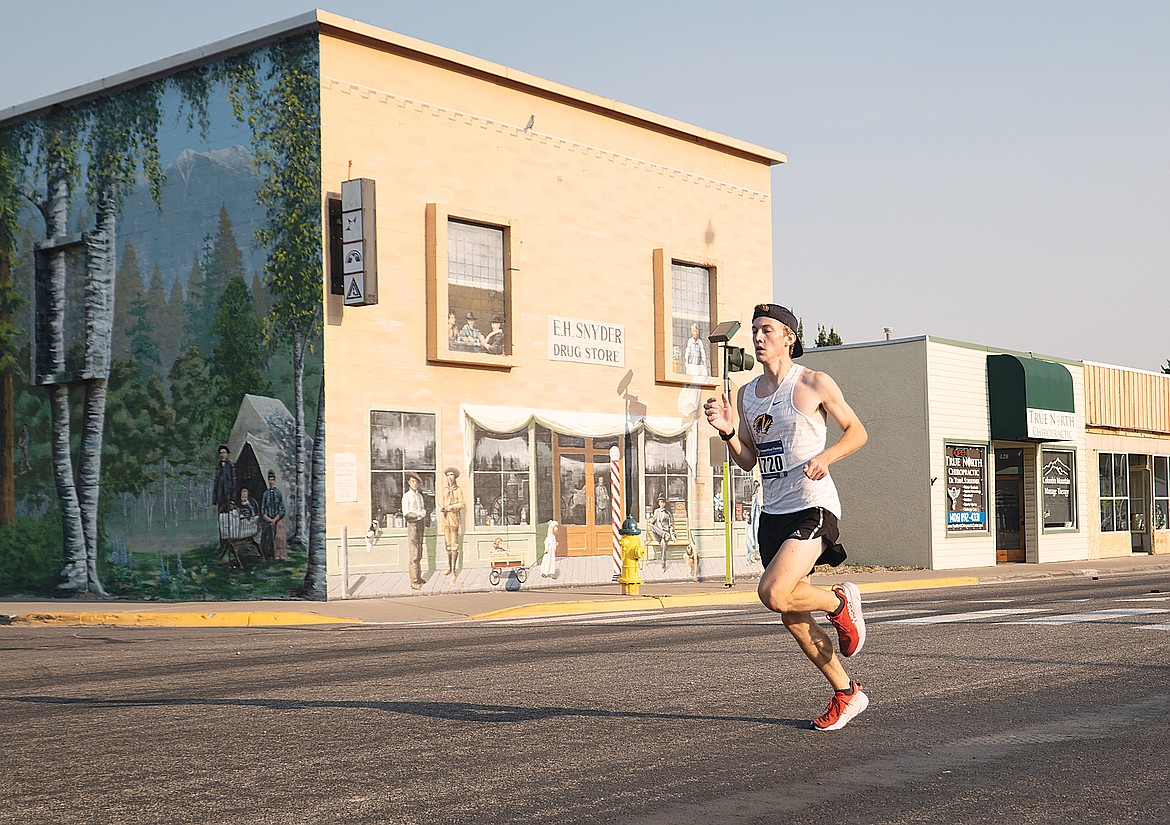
{"points": [[1093, 616], [922, 614], [690, 614], [870, 615], [560, 618], [972, 616]]}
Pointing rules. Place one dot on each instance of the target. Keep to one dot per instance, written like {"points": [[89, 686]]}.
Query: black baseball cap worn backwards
{"points": [[783, 315]]}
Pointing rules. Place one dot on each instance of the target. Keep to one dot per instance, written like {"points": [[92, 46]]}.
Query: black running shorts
{"points": [[815, 522]]}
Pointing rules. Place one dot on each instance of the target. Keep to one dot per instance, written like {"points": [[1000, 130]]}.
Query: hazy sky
{"points": [[994, 172]]}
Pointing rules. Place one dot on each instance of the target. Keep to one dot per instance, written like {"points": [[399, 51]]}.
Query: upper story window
{"points": [[685, 298], [476, 295], [690, 321], [470, 263]]}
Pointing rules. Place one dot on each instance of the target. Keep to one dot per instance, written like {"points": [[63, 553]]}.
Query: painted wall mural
{"points": [[160, 296]]}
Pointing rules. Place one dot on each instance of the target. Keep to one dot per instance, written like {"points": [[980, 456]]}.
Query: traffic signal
{"points": [[738, 360]]}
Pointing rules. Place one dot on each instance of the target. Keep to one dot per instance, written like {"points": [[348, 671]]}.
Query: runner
{"points": [[786, 409]]}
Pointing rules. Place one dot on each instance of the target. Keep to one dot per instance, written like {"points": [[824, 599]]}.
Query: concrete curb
{"points": [[222, 619], [692, 600]]}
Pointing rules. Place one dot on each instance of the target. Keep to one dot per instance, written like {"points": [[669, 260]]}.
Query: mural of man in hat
{"points": [[470, 334], [452, 510], [493, 342], [223, 488], [414, 510]]}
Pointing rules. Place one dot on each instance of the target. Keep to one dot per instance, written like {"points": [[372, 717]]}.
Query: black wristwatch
{"points": [[727, 436]]}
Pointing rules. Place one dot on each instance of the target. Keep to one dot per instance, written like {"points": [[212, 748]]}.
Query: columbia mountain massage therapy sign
{"points": [[966, 488]]}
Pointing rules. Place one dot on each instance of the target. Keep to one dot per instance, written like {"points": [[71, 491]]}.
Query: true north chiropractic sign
{"points": [[588, 342], [1052, 425]]}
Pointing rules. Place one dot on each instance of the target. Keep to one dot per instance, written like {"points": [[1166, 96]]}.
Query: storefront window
{"points": [[544, 475], [1113, 481], [666, 470], [744, 485], [401, 444], [1059, 497], [966, 487], [1161, 492], [500, 478]]}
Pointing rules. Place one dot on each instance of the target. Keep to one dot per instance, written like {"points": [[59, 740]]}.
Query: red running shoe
{"points": [[849, 622], [842, 708]]}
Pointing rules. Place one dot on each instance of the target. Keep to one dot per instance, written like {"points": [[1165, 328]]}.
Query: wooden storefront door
{"points": [[582, 494]]}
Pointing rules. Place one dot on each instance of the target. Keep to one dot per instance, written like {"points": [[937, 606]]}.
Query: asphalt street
{"points": [[1029, 702]]}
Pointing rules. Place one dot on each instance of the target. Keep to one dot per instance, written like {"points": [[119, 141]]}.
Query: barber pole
{"points": [[615, 506]]}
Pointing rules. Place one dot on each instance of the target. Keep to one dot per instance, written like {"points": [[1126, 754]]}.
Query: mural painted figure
{"points": [[695, 357], [247, 506], [452, 510], [470, 333], [752, 533], [662, 524], [224, 486], [493, 342], [273, 543], [223, 491], [548, 565], [415, 512]]}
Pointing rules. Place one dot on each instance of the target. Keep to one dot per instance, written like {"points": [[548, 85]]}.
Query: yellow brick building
{"points": [[605, 241]]}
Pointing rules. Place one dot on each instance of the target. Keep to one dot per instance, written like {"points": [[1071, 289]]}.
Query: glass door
{"points": [[1009, 504], [1140, 533]]}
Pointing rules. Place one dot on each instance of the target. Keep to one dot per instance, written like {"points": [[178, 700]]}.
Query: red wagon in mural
{"points": [[504, 561]]}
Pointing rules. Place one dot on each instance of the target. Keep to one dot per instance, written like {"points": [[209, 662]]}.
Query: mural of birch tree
{"points": [[288, 149], [10, 301], [116, 136]]}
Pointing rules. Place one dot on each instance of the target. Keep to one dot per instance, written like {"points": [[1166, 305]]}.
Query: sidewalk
{"points": [[513, 604]]}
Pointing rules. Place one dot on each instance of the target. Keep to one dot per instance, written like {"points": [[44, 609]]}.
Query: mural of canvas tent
{"points": [[262, 439]]}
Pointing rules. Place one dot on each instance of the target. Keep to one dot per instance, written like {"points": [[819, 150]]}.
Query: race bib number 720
{"points": [[770, 456]]}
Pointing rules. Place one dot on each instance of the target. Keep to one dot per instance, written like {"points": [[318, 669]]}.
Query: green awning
{"points": [[1030, 400]]}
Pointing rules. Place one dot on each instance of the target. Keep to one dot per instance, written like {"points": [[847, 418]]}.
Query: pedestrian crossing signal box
{"points": [[353, 248]]}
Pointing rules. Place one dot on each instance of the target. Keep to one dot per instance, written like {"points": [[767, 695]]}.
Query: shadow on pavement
{"points": [[451, 711]]}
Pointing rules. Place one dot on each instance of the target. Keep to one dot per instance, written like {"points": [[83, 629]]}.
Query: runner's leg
{"points": [[784, 587]]}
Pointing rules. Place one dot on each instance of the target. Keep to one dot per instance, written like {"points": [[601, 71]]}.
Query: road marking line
{"points": [[869, 614], [969, 617], [644, 618], [1094, 616], [1149, 599], [1154, 627], [562, 617]]}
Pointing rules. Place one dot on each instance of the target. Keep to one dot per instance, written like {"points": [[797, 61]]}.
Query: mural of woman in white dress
{"points": [[548, 565]]}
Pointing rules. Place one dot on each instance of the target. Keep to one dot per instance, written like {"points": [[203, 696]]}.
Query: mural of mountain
{"points": [[196, 184]]}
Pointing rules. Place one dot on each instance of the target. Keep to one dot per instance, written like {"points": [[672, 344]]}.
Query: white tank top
{"points": [[785, 438]]}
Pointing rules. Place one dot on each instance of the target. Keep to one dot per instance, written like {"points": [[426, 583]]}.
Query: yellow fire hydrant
{"points": [[633, 551]]}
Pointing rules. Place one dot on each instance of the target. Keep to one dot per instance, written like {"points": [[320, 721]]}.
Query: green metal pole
{"points": [[728, 505], [727, 512]]}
